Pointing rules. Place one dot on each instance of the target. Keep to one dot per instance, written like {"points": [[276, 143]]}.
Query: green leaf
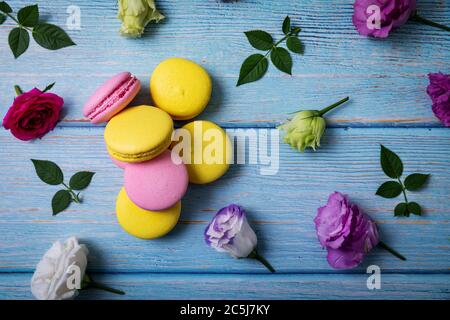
{"points": [[401, 210], [281, 59], [81, 180], [48, 172], [51, 37], [390, 163], [295, 45], [414, 208], [61, 200], [28, 16], [18, 39], [2, 18], [253, 69], [389, 189], [287, 25], [47, 88], [416, 181], [4, 7], [259, 39]]}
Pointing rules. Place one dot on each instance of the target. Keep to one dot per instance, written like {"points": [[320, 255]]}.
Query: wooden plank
{"points": [[348, 162], [238, 286], [386, 79]]}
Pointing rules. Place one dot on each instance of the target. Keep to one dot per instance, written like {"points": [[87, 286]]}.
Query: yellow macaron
{"points": [[209, 150], [180, 87], [138, 134], [142, 223]]}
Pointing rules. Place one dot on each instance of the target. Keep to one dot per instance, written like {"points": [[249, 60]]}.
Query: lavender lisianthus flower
{"points": [[346, 232], [229, 231], [377, 18], [439, 92]]}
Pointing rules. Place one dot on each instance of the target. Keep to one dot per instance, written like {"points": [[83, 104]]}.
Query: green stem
{"points": [[280, 41], [392, 251], [334, 105], [18, 90], [95, 285], [423, 20], [17, 21], [12, 17], [75, 197], [403, 190], [88, 283], [277, 43], [255, 255]]}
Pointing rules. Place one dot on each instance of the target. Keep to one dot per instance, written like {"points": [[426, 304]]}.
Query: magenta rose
{"points": [[439, 92], [390, 14], [33, 114]]}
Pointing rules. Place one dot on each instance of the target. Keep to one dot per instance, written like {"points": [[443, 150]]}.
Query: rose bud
{"points": [[56, 272], [33, 114], [230, 232], [135, 15], [307, 127], [439, 92], [347, 233]]}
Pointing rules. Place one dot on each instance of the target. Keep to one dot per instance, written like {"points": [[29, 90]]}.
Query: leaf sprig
{"points": [[255, 66], [50, 173], [48, 36], [392, 166]]}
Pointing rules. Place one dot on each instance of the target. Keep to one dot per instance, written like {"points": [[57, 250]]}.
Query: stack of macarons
{"points": [[139, 140]]}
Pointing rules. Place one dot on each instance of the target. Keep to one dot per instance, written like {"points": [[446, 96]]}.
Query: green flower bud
{"points": [[135, 15], [307, 127], [304, 130]]}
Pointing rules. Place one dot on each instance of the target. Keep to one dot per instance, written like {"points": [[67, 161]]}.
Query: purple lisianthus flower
{"points": [[346, 232], [439, 92], [230, 232], [377, 18]]}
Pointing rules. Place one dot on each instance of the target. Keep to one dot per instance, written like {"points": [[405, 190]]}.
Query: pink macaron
{"points": [[111, 97], [157, 184], [119, 163]]}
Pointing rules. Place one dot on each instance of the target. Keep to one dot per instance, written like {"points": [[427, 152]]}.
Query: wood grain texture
{"points": [[385, 78], [223, 287], [348, 161]]}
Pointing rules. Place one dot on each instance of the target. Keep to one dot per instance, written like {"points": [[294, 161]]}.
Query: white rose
{"points": [[230, 232], [49, 281]]}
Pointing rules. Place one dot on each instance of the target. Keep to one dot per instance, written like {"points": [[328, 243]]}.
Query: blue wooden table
{"points": [[386, 80]]}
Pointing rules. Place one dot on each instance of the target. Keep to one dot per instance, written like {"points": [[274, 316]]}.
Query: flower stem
{"points": [[18, 90], [95, 285], [255, 255], [334, 105], [403, 190], [423, 20], [75, 197], [88, 283], [392, 251]]}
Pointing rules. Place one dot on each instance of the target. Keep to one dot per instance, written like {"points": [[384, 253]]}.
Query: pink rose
{"points": [[33, 114]]}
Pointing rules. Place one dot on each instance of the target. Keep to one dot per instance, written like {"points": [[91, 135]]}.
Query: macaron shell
{"points": [[157, 184], [207, 171], [180, 87], [142, 223], [119, 91], [138, 134]]}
